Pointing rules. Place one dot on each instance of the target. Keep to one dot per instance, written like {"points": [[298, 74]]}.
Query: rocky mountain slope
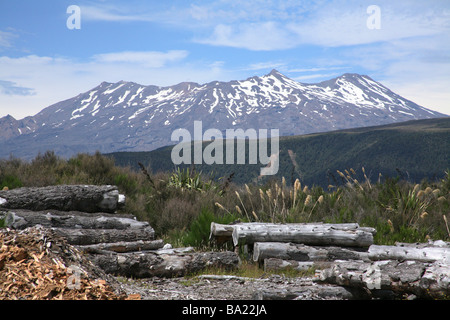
{"points": [[127, 116]]}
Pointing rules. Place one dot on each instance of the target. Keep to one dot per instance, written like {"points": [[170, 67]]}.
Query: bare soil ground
{"points": [[204, 288]]}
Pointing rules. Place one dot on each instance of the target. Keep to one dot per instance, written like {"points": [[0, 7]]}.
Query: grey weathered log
{"points": [[221, 232], [310, 234], [149, 264], [225, 231], [301, 252], [424, 254], [95, 236], [21, 219], [227, 277], [122, 246], [85, 198], [421, 245], [309, 292], [274, 264], [424, 280], [436, 280], [174, 250]]}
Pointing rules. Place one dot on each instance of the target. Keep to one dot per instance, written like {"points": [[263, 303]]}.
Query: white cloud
{"points": [[149, 59], [137, 11], [6, 38], [266, 65], [347, 26], [111, 13], [264, 36], [11, 88], [259, 25]]}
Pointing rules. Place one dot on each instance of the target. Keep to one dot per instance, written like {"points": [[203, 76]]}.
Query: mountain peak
{"points": [[276, 73], [355, 75], [9, 117]]}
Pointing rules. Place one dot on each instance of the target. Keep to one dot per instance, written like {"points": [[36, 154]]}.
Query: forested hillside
{"points": [[413, 150]]}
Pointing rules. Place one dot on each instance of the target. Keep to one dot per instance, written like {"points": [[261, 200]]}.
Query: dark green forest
{"points": [[413, 150]]}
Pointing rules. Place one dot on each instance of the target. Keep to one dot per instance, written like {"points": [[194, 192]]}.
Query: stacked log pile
{"points": [[86, 216], [344, 255]]}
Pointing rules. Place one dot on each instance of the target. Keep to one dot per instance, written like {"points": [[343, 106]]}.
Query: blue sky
{"points": [[42, 61]]}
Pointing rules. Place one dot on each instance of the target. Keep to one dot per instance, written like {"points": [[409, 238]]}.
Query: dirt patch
{"points": [[232, 288]]}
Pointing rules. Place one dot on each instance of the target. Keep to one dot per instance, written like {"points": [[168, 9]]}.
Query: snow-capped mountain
{"points": [[126, 116]]}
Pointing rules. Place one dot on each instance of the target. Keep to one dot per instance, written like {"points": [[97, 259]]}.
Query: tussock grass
{"points": [[180, 205]]}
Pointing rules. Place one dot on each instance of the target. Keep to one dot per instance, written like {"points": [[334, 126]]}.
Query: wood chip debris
{"points": [[30, 271]]}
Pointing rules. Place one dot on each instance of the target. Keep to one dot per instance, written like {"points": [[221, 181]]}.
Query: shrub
{"points": [[10, 181], [199, 230]]}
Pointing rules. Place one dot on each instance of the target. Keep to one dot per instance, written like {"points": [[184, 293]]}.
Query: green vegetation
{"points": [[181, 205], [199, 230]]}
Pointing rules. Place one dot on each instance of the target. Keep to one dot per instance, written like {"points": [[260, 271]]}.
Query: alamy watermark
{"points": [[74, 281], [74, 20], [374, 20], [213, 153]]}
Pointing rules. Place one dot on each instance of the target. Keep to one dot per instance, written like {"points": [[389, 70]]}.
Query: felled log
{"points": [[85, 198], [436, 280], [122, 246], [429, 244], [150, 264], [227, 277], [424, 280], [309, 292], [221, 232], [95, 236], [401, 253], [301, 252], [224, 232], [21, 219], [274, 264], [347, 235]]}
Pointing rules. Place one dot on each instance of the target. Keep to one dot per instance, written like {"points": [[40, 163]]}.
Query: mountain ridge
{"points": [[127, 116]]}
